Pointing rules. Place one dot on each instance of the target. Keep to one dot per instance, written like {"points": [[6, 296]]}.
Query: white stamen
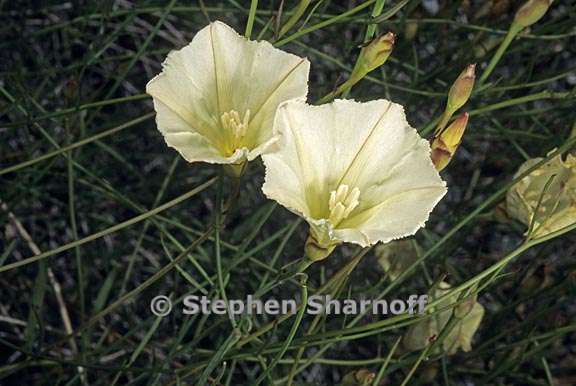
{"points": [[342, 202], [234, 125]]}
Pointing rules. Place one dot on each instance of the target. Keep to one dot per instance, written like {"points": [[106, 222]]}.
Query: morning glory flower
{"points": [[467, 316], [357, 172], [546, 198], [215, 99]]}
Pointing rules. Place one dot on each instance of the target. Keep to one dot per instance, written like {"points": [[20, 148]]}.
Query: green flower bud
{"points": [[445, 143], [462, 88], [375, 53], [362, 377], [531, 12]]}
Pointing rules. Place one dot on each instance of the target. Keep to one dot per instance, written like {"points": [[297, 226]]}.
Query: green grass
{"points": [[98, 216]]}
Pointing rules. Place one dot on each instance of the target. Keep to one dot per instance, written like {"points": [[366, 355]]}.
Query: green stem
{"points": [[524, 99], [510, 35], [508, 103], [251, 16], [341, 89], [338, 284], [109, 230], [85, 141], [376, 11], [444, 119], [333, 279], [502, 263], [421, 357], [218, 252], [217, 358], [77, 109], [382, 370], [288, 272], [324, 23], [291, 335], [300, 9]]}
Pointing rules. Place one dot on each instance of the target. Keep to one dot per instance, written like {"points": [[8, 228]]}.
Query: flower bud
{"points": [[375, 53], [358, 378], [445, 143], [531, 12], [462, 88]]}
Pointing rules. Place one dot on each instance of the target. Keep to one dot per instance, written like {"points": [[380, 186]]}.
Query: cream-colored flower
{"points": [[216, 98], [396, 256], [357, 172], [468, 316], [554, 183]]}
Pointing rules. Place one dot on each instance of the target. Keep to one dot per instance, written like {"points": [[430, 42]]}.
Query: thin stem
{"points": [[421, 357], [510, 35], [376, 11], [334, 279], [109, 230], [218, 252], [291, 334], [82, 142], [382, 370], [300, 9], [251, 16], [324, 23]]}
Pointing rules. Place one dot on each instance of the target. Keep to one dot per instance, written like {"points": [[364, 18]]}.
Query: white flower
{"points": [[357, 172], [468, 316], [396, 257], [216, 98], [546, 197]]}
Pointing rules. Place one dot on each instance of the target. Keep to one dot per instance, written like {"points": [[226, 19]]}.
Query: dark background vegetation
{"points": [[71, 70]]}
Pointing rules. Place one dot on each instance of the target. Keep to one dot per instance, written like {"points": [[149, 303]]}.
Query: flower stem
{"points": [[376, 11], [251, 17], [512, 32], [291, 334], [347, 85], [287, 272], [300, 9]]}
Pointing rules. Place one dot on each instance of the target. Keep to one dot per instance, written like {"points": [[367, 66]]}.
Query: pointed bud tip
{"points": [[375, 53], [470, 71], [453, 134], [445, 144], [384, 42], [390, 36], [462, 118]]}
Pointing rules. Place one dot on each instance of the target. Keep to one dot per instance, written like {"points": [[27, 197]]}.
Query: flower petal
{"points": [[190, 144], [546, 196]]}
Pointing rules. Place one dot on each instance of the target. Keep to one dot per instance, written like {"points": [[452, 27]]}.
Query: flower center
{"points": [[234, 125], [342, 203]]}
